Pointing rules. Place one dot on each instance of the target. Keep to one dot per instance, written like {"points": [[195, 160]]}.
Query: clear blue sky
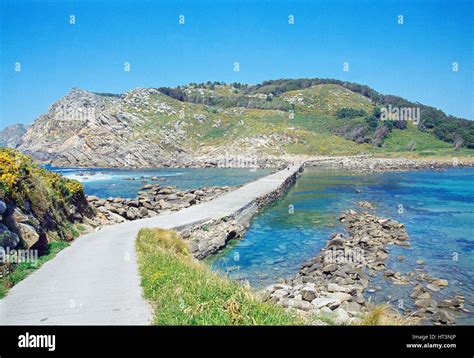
{"points": [[413, 60]]}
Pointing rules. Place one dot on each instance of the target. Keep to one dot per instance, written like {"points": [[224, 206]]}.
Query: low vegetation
{"points": [[306, 116], [184, 291], [384, 315]]}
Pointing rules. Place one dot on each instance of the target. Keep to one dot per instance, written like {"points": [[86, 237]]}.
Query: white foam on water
{"points": [[89, 178]]}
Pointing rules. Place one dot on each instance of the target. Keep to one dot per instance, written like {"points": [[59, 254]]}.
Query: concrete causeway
{"points": [[95, 281]]}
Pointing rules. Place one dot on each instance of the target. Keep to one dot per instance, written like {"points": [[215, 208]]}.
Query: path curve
{"points": [[95, 281]]}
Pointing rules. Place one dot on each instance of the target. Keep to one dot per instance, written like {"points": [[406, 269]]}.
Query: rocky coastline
{"points": [[152, 200], [337, 283], [359, 163], [370, 164]]}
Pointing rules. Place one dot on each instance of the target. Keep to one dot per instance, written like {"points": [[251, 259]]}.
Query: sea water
{"points": [[126, 183], [437, 208]]}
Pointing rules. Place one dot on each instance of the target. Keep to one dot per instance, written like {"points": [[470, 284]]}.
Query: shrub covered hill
{"points": [[36, 206], [197, 123]]}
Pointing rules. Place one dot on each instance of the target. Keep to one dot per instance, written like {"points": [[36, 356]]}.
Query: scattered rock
{"points": [[433, 287], [443, 317], [441, 282], [294, 303], [323, 301]]}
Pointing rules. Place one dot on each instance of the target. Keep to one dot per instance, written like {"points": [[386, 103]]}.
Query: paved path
{"points": [[95, 281]]}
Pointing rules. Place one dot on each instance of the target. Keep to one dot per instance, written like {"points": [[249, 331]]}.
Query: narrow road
{"points": [[95, 281]]}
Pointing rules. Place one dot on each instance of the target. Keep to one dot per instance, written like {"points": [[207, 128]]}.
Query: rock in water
{"points": [[443, 317]]}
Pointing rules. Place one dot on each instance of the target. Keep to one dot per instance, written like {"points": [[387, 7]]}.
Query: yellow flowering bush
{"points": [[9, 170], [22, 180]]}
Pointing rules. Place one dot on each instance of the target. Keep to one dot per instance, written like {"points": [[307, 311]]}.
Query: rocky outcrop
{"points": [[21, 229], [97, 130], [370, 164], [11, 136], [88, 129]]}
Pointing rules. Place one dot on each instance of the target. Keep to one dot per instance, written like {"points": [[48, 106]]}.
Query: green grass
{"points": [[184, 291], [22, 270], [327, 99]]}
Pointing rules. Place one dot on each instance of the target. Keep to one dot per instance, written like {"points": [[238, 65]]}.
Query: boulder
{"points": [[134, 203], [279, 294], [324, 301], [152, 213], [308, 294], [28, 235], [352, 307], [341, 296], [8, 238], [3, 207], [165, 205], [425, 303], [143, 211], [341, 316], [334, 287], [432, 287], [443, 317], [330, 268], [440, 282], [19, 216], [297, 304], [133, 213]]}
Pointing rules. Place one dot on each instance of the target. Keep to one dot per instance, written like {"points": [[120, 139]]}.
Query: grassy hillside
{"points": [[277, 119]]}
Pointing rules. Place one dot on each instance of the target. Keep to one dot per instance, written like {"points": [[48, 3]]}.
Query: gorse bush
{"points": [[20, 177], [350, 113], [45, 194]]}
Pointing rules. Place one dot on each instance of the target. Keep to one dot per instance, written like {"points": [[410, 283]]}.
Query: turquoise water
{"points": [[105, 182], [436, 207]]}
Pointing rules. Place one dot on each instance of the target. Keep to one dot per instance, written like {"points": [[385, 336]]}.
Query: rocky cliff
{"points": [[11, 136]]}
